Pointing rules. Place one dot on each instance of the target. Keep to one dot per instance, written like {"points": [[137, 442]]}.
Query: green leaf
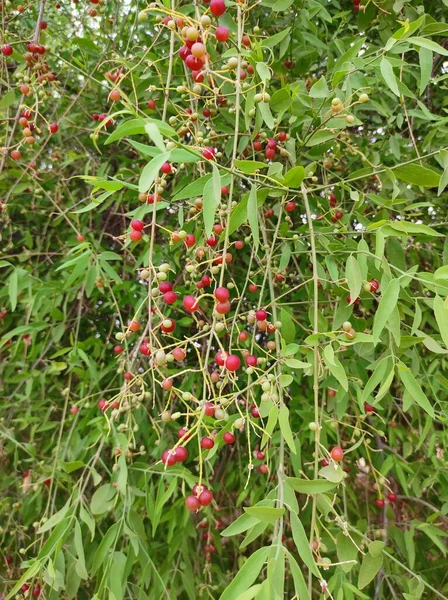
{"points": [[320, 89], [412, 386], [302, 543], [418, 175], [320, 137], [293, 363], [376, 548], [333, 473], [285, 427], [428, 44], [100, 502], [81, 564], [150, 172], [334, 366], [369, 569], [193, 189], [272, 41], [153, 131], [250, 166], [294, 177], [265, 112], [131, 127], [263, 71], [310, 486], [425, 57], [8, 99], [252, 216], [246, 576], [354, 278], [387, 304], [346, 551], [266, 514], [243, 523], [389, 76], [13, 289], [103, 549], [441, 314], [300, 585], [270, 425], [211, 199]]}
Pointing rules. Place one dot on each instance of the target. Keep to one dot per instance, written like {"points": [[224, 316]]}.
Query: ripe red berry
{"points": [[134, 326], [169, 298], [181, 454], [114, 95], [118, 349], [217, 7], [255, 412], [205, 498], [54, 128], [168, 328], [337, 454], [239, 244], [229, 437], [263, 469], [209, 153], [233, 363], [209, 409], [166, 168], [179, 354], [183, 433], [290, 206], [220, 358], [380, 502], [223, 308], [246, 41], [251, 360], [151, 104], [190, 240], [222, 294], [282, 135], [128, 376], [192, 503], [135, 236], [207, 443], [243, 336], [392, 497], [190, 303], [7, 50], [165, 286], [137, 225], [16, 154], [222, 34], [369, 408], [253, 288], [261, 315], [169, 458], [212, 241], [374, 285], [270, 153], [338, 215]]}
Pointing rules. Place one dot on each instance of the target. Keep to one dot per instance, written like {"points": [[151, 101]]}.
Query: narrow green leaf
{"points": [[310, 486], [250, 166], [414, 389], [353, 276], [252, 216], [425, 57], [389, 76], [302, 544], [441, 314], [246, 575], [417, 175], [369, 569], [211, 199], [266, 514], [13, 289], [153, 131], [387, 304], [429, 44], [285, 427], [335, 367], [150, 172]]}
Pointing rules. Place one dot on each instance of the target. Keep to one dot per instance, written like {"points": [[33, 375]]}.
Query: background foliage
{"points": [[338, 233]]}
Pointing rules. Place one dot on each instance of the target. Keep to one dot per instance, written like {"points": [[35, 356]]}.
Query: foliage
{"points": [[302, 166]]}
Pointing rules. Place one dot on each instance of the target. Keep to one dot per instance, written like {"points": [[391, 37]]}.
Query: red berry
{"points": [[166, 168], [290, 206], [380, 502], [137, 225], [181, 454], [207, 443], [145, 349], [190, 240], [270, 153], [16, 154], [135, 236], [183, 433], [190, 303], [165, 286], [179, 354], [222, 34], [233, 363], [217, 7], [128, 376], [209, 409], [259, 455], [118, 349], [392, 497], [263, 469], [114, 95], [223, 308], [192, 503], [170, 328], [374, 285], [255, 412], [169, 298], [246, 41], [229, 437], [251, 360], [169, 458], [54, 128], [338, 215], [7, 50], [243, 336], [151, 104], [239, 244], [337, 454], [212, 241], [272, 143], [261, 315], [205, 498], [220, 358], [282, 135], [253, 288], [224, 190], [222, 294], [369, 408], [208, 153]]}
